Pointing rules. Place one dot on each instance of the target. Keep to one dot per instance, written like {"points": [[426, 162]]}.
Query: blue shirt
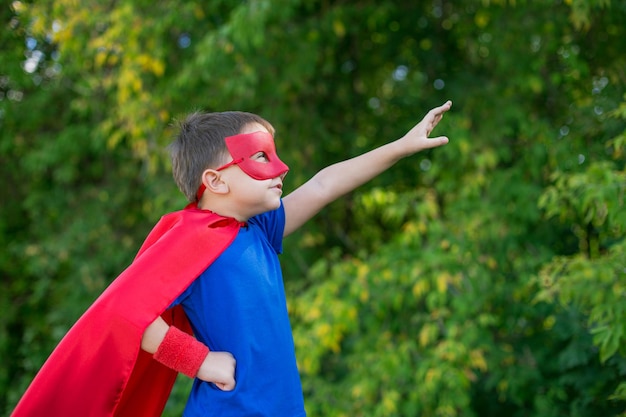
{"points": [[238, 305]]}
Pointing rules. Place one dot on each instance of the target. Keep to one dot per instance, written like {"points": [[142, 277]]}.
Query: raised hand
{"points": [[418, 139]]}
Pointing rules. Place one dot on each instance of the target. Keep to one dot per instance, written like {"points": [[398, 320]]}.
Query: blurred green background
{"points": [[485, 278]]}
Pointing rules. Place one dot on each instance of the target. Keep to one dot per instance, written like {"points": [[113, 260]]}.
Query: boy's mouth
{"points": [[278, 185]]}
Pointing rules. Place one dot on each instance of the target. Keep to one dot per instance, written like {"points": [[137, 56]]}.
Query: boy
{"points": [[214, 264]]}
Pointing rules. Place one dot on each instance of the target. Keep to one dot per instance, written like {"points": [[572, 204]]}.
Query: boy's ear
{"points": [[213, 182]]}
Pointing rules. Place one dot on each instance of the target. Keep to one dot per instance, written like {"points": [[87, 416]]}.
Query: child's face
{"points": [[255, 154], [255, 174]]}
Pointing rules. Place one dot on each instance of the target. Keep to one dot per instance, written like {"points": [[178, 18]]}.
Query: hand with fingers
{"points": [[418, 139], [219, 368]]}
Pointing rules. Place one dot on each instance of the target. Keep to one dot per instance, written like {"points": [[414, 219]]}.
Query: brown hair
{"points": [[200, 145]]}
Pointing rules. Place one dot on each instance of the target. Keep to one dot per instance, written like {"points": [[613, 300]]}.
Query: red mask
{"points": [[243, 147]]}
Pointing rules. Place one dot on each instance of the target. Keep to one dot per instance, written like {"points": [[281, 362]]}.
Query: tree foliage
{"points": [[483, 278]]}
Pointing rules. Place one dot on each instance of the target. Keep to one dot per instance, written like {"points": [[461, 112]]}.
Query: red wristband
{"points": [[181, 352]]}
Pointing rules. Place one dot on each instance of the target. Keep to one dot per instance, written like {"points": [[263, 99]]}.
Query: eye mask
{"points": [[244, 146]]}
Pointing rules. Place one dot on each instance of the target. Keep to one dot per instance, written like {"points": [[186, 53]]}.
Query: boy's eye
{"points": [[260, 157]]}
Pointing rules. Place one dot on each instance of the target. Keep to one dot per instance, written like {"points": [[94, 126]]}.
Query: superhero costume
{"points": [[98, 368], [238, 305]]}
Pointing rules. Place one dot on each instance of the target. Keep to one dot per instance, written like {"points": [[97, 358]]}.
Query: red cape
{"points": [[98, 369]]}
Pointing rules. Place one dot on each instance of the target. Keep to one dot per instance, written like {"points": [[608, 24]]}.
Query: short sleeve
{"points": [[272, 225]]}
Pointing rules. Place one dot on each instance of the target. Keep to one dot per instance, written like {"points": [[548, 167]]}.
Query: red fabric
{"points": [[98, 369], [181, 352], [244, 146]]}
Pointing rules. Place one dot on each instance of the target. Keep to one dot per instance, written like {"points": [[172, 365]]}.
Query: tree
{"points": [[484, 278]]}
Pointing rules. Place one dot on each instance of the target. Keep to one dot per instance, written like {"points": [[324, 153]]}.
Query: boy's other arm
{"points": [[217, 367], [338, 179]]}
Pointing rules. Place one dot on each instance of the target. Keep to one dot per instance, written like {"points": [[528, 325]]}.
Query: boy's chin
{"points": [[276, 205], [268, 207]]}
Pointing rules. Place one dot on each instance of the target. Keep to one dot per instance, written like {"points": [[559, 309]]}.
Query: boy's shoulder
{"points": [[191, 223]]}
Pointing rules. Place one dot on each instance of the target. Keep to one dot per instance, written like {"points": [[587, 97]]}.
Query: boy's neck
{"points": [[219, 209]]}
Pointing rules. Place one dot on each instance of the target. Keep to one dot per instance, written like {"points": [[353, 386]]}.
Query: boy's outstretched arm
{"points": [[338, 179]]}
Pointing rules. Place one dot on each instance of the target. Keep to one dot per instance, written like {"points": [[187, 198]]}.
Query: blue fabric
{"points": [[238, 305]]}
